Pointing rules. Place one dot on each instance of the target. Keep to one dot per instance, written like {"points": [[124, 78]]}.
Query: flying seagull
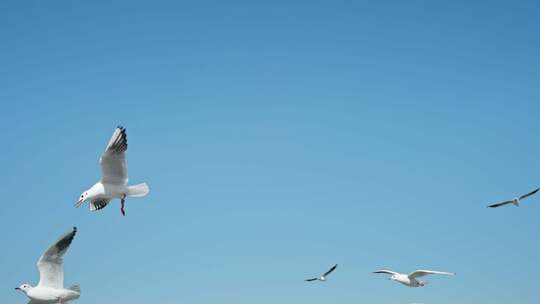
{"points": [[514, 201], [411, 279], [50, 288], [322, 278], [114, 178]]}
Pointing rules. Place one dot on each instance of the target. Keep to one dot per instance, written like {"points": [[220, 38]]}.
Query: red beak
{"points": [[79, 203]]}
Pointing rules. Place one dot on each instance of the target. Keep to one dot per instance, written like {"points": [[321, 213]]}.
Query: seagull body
{"points": [[411, 279], [50, 288], [322, 278], [46, 295], [114, 179], [514, 201]]}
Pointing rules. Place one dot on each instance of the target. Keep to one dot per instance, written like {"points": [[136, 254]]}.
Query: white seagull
{"points": [[322, 278], [114, 178], [411, 279], [50, 288], [514, 201]]}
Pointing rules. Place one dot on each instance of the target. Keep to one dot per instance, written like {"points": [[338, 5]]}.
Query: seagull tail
{"points": [[75, 288], [138, 190]]}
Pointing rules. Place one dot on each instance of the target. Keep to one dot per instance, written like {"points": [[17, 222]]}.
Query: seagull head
{"points": [[83, 198], [24, 288]]}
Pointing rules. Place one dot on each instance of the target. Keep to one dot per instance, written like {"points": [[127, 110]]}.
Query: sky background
{"points": [[278, 138]]}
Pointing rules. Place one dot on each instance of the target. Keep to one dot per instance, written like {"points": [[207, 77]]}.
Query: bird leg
{"points": [[123, 204]]}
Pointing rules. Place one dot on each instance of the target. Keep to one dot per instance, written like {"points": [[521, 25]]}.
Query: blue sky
{"points": [[277, 138]]}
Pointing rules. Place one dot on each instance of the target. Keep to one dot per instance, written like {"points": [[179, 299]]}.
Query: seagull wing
{"points": [[386, 272], [500, 204], [310, 280], [98, 204], [113, 160], [421, 273], [330, 270], [51, 262], [529, 194]]}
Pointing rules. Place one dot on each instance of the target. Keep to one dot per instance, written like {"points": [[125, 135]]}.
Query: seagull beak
{"points": [[79, 203], [17, 288]]}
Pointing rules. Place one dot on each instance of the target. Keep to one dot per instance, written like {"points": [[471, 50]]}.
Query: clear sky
{"points": [[277, 138]]}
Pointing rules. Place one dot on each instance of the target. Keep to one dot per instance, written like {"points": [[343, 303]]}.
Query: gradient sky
{"points": [[277, 138]]}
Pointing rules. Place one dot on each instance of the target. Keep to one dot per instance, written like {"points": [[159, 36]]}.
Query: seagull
{"points": [[411, 278], [514, 201], [114, 179], [322, 278], [50, 288]]}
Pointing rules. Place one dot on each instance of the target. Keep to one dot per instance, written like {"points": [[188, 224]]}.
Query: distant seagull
{"points": [[50, 288], [114, 177], [411, 279], [322, 278], [514, 201]]}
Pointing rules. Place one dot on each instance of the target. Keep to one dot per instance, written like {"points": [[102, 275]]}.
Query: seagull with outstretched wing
{"points": [[514, 201], [50, 288], [411, 279], [114, 177], [322, 278]]}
